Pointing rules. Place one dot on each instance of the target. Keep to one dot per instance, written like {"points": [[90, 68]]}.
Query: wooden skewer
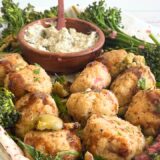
{"points": [[61, 19]]}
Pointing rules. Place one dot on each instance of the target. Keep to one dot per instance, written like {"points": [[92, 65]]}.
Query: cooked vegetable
{"points": [[109, 20], [142, 83], [61, 86], [37, 155], [60, 104], [8, 113], [48, 121], [15, 17]]}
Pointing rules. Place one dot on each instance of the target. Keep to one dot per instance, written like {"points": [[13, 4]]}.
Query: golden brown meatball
{"points": [[144, 110], [112, 138], [31, 106], [113, 60], [126, 85], [82, 105], [53, 142], [94, 76], [32, 78], [10, 63], [118, 60]]}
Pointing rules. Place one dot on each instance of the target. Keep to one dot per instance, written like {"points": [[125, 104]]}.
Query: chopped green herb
{"points": [[142, 83], [36, 79], [118, 133], [36, 71]]}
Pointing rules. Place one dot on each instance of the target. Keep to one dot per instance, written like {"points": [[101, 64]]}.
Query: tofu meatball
{"points": [[112, 138], [10, 63], [32, 78], [144, 110], [94, 76], [31, 106], [126, 85], [118, 60], [82, 105], [51, 143]]}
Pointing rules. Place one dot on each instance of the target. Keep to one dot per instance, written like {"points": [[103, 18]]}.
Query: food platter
{"points": [[107, 110]]}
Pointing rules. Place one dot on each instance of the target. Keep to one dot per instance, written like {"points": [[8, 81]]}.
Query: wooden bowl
{"points": [[62, 62]]}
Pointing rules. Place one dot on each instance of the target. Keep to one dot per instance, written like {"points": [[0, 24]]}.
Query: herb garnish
{"points": [[142, 83]]}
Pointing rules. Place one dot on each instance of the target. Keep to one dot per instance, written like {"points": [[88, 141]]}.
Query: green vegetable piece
{"points": [[36, 79], [61, 105], [36, 71], [8, 113], [142, 83]]}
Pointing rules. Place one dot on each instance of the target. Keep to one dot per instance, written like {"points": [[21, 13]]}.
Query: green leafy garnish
{"points": [[61, 105], [142, 83], [37, 155], [8, 113]]}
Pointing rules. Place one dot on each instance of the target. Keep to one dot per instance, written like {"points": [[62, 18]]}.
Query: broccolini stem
{"points": [[154, 39]]}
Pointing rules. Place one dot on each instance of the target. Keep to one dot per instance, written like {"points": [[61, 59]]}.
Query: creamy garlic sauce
{"points": [[62, 41]]}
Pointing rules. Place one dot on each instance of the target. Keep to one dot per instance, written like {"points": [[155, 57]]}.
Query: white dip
{"points": [[63, 41]]}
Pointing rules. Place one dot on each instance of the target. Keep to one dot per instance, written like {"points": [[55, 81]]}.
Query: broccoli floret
{"points": [[8, 113]]}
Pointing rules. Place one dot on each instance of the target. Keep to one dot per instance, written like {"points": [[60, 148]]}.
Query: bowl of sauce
{"points": [[61, 51]]}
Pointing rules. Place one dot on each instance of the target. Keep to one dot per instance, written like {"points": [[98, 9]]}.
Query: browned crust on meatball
{"points": [[50, 142]]}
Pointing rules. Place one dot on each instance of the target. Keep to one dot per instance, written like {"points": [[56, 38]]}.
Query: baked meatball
{"points": [[126, 85], [51, 143], [118, 60], [31, 106], [82, 105], [112, 138], [94, 76], [144, 110], [32, 78], [10, 63]]}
